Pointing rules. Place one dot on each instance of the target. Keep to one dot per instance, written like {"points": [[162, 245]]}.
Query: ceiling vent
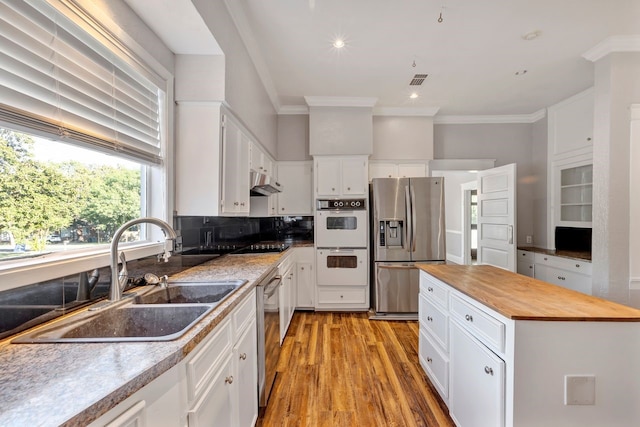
{"points": [[418, 79]]}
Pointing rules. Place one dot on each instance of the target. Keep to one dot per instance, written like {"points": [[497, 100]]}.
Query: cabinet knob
{"points": [[430, 289], [561, 278], [488, 370], [243, 356], [429, 318], [242, 204], [349, 188], [229, 379], [468, 318], [577, 265], [429, 359], [545, 258], [235, 203], [531, 266], [333, 189], [282, 208], [341, 296], [589, 139]]}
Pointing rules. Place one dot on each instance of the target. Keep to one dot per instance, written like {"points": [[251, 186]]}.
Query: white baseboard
{"points": [[634, 283]]}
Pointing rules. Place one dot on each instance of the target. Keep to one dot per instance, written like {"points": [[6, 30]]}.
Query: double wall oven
{"points": [[341, 239]]}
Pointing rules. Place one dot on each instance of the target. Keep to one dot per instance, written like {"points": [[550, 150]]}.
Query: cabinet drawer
{"points": [[573, 265], [434, 290], [564, 278], [244, 313], [485, 327], [342, 296], [526, 255], [435, 364], [206, 360], [435, 321]]}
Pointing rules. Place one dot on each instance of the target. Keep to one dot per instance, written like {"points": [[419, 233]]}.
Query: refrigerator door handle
{"points": [[397, 266], [414, 220], [409, 225]]}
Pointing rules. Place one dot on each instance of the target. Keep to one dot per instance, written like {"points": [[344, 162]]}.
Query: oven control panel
{"points": [[342, 204]]}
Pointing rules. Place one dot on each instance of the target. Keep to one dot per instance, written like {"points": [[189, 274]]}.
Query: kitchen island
{"points": [[503, 349], [74, 384]]}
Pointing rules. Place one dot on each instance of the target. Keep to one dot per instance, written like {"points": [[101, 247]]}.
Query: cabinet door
{"points": [[564, 278], [382, 170], [235, 167], [328, 175], [255, 158], [525, 268], [571, 124], [287, 301], [246, 377], [296, 197], [476, 389], [574, 189], [305, 285], [354, 177], [411, 170], [216, 406]]}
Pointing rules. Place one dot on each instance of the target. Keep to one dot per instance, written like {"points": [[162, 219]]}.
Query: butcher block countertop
{"points": [[519, 297]]}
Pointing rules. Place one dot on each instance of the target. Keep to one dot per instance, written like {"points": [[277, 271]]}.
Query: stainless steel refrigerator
{"points": [[407, 227]]}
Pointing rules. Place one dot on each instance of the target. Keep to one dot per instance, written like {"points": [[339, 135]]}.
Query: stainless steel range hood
{"points": [[263, 185]]}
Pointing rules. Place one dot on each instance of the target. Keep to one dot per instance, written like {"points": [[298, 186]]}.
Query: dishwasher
{"points": [[268, 317]]}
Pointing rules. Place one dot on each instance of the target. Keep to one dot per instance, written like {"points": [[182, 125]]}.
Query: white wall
{"points": [[244, 91], [400, 137], [616, 88], [200, 78]]}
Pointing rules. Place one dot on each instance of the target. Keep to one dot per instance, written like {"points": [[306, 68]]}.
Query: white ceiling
{"points": [[471, 57]]}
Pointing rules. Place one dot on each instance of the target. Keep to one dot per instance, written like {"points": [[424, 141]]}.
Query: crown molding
{"points": [[239, 18], [406, 111], [340, 101], [506, 118], [622, 43], [293, 110]]}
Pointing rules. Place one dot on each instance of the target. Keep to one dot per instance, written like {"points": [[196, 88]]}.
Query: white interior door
{"points": [[497, 217]]}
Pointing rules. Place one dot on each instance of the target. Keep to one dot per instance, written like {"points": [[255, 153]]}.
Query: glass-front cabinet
{"points": [[574, 194]]}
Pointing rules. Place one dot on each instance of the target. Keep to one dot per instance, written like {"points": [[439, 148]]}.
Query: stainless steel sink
{"points": [[126, 323], [191, 292]]}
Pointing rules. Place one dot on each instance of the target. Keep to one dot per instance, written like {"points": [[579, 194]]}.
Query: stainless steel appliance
{"points": [[407, 227], [342, 227], [268, 319]]}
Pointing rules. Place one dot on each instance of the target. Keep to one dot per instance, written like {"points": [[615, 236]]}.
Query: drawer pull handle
{"points": [[229, 379], [468, 318], [243, 356], [430, 319], [488, 370], [429, 359], [430, 289], [577, 265], [561, 278], [545, 258]]}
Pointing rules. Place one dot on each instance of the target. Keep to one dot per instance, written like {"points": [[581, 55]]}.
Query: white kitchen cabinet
{"points": [[216, 406], [212, 161], [245, 356], [305, 278], [570, 126], [260, 160], [287, 270], [477, 394], [296, 197], [573, 196], [526, 263], [565, 272], [338, 176], [383, 169]]}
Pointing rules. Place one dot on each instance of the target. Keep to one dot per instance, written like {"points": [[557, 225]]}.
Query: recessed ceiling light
{"points": [[413, 95], [338, 43], [532, 35]]}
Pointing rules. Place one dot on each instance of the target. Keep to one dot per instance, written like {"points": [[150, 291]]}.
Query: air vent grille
{"points": [[418, 79]]}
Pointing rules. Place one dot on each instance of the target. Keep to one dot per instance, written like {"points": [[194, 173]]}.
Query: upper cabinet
{"points": [[570, 126], [341, 176], [296, 197], [391, 169], [212, 161], [260, 161]]}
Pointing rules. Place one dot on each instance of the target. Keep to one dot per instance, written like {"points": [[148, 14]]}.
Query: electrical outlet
{"points": [[529, 239], [579, 389]]}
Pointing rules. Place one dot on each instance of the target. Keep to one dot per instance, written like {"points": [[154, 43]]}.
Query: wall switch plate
{"points": [[529, 239], [579, 389]]}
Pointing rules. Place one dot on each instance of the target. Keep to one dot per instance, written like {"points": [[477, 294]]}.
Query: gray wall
{"points": [[401, 137], [538, 179], [507, 143], [244, 91], [293, 137]]}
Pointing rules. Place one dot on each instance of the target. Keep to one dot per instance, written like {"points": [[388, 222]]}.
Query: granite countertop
{"points": [[523, 298], [74, 384], [578, 255]]}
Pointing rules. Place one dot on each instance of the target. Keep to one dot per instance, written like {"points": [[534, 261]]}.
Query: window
{"points": [[82, 134]]}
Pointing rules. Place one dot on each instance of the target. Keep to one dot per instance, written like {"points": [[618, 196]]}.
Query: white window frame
{"points": [[157, 198]]}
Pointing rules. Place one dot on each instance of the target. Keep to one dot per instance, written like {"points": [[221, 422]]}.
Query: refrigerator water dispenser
{"points": [[391, 232]]}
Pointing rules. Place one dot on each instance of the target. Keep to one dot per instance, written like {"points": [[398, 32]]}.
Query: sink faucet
{"points": [[119, 279]]}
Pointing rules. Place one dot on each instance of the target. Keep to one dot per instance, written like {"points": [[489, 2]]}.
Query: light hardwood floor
{"points": [[341, 369]]}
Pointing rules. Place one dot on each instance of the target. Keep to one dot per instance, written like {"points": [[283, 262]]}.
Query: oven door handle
{"points": [[269, 289], [341, 251]]}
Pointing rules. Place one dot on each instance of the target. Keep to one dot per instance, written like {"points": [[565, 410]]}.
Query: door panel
{"points": [[497, 217], [396, 288]]}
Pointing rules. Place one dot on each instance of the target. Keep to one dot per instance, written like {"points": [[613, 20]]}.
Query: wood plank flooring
{"points": [[341, 369]]}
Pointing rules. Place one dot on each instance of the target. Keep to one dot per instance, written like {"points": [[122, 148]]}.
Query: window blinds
{"points": [[59, 81]]}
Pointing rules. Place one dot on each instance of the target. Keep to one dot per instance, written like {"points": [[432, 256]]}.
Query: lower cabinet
{"points": [[287, 271], [305, 278], [216, 384], [477, 381], [566, 272]]}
